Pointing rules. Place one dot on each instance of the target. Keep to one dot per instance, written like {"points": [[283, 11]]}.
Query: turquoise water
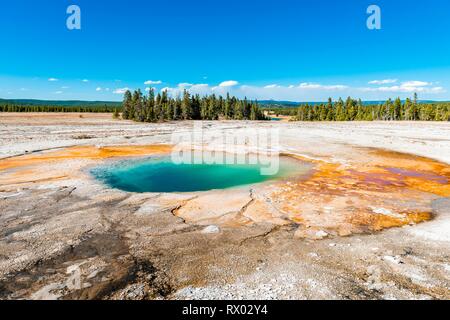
{"points": [[160, 174]]}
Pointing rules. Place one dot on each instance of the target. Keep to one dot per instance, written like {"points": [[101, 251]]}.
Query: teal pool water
{"points": [[160, 174]]}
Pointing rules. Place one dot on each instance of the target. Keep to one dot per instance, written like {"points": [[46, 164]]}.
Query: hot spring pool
{"points": [[160, 174]]}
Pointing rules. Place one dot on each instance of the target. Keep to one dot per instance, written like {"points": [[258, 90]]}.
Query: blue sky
{"points": [[300, 50]]}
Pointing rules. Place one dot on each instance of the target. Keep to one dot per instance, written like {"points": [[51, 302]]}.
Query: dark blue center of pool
{"points": [[160, 174]]}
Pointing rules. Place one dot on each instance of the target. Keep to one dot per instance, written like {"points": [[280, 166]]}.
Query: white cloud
{"points": [[437, 90], [85, 80], [199, 88], [416, 84], [385, 81], [98, 89], [58, 92], [121, 90], [307, 91], [185, 85], [64, 87], [152, 82], [307, 85], [408, 87], [302, 92], [229, 83], [53, 79]]}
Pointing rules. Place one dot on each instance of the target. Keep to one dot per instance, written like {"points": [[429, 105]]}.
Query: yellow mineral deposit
{"points": [[41, 167], [386, 190]]}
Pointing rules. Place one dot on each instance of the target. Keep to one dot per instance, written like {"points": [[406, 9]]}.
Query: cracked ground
{"points": [[355, 229]]}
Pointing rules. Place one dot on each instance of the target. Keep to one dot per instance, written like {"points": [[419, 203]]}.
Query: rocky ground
{"points": [[372, 221]]}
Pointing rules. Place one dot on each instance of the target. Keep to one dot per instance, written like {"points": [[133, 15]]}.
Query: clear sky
{"points": [[299, 50]]}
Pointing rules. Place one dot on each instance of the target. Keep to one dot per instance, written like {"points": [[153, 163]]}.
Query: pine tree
{"points": [[397, 109], [340, 114], [150, 106], [127, 105], [186, 106], [137, 106]]}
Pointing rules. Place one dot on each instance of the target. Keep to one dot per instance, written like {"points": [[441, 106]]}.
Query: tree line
{"points": [[10, 107], [162, 107], [354, 110], [153, 108]]}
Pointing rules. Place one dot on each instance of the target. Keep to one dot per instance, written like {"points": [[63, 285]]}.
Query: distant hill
{"points": [[278, 103], [62, 103]]}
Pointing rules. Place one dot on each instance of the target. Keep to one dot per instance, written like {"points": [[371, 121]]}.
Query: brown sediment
{"points": [[368, 221], [419, 173], [381, 190], [388, 190], [341, 199], [41, 167], [82, 152]]}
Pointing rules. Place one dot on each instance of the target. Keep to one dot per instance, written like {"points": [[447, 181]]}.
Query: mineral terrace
{"points": [[370, 221]]}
